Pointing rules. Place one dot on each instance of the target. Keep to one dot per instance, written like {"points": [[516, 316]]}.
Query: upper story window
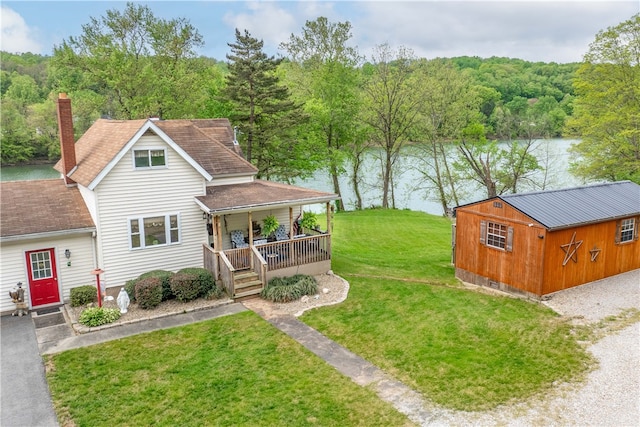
{"points": [[149, 158], [626, 230], [154, 231]]}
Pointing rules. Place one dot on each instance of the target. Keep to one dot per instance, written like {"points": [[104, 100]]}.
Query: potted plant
{"points": [[269, 225], [309, 221]]}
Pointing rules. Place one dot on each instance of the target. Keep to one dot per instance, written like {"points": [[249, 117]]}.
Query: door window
{"points": [[41, 265]]}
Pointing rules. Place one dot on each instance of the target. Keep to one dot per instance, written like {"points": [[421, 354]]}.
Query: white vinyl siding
{"points": [[125, 194], [14, 264]]}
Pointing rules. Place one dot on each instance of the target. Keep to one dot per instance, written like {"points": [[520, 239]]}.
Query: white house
{"points": [[141, 195]]}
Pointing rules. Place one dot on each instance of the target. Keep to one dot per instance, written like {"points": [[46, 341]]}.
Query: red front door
{"points": [[43, 279]]}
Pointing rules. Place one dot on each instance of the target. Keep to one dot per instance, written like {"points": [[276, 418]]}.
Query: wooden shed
{"points": [[542, 242]]}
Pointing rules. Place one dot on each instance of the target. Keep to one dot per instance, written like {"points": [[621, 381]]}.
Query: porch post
{"points": [[290, 222], [250, 229], [329, 217], [217, 233]]}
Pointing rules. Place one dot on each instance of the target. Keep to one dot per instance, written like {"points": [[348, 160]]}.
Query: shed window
{"points": [[149, 158], [626, 230], [496, 235], [154, 231]]}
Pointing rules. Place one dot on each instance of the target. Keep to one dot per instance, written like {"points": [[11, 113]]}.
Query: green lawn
{"points": [[462, 349], [233, 371], [405, 313]]}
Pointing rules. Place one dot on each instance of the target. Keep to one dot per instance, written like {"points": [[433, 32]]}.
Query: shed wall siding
{"points": [[14, 266], [536, 264], [613, 258], [126, 192], [520, 268]]}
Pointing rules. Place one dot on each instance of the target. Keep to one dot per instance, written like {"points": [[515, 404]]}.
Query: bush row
{"points": [[286, 289], [153, 287]]}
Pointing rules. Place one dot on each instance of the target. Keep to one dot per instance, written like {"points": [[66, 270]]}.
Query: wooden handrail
{"points": [[226, 273]]}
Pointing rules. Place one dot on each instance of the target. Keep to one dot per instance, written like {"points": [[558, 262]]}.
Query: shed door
{"points": [[43, 279]]}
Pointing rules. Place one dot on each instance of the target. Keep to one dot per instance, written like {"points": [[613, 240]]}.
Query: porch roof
{"points": [[257, 195]]}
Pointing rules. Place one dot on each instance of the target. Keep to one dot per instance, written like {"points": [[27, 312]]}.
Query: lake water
{"points": [[27, 173], [408, 195], [553, 153]]}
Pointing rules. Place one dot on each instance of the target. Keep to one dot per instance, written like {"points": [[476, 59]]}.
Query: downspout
{"points": [[94, 250]]}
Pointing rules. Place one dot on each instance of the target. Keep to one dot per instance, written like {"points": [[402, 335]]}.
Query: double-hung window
{"points": [[626, 230], [150, 231], [149, 158]]}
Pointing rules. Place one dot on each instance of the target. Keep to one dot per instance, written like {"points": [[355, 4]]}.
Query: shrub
{"points": [[83, 295], [149, 292], [216, 293], [204, 278], [96, 316], [289, 289], [185, 286], [164, 277], [130, 287]]}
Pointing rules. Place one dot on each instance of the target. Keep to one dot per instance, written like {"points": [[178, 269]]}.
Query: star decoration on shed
{"points": [[570, 250], [595, 252]]}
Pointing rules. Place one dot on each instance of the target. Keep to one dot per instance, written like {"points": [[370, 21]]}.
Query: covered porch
{"points": [[238, 252]]}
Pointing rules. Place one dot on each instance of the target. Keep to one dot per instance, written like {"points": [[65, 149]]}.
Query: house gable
{"points": [[126, 149]]}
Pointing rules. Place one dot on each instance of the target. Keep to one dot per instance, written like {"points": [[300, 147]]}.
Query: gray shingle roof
{"points": [[579, 205]]}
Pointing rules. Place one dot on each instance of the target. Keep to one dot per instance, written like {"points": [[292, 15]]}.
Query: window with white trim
{"points": [[150, 231], [143, 159], [627, 230]]}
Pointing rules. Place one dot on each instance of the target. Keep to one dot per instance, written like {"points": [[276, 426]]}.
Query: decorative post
{"points": [[97, 272]]}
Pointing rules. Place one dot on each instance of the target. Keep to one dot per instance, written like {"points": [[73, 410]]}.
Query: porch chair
{"points": [[281, 233], [237, 239]]}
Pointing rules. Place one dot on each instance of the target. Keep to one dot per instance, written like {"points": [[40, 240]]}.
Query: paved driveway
{"points": [[24, 393]]}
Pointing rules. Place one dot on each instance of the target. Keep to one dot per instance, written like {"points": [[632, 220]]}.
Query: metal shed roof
{"points": [[579, 205]]}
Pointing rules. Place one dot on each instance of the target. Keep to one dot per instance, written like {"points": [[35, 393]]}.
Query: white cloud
{"points": [[534, 30], [265, 21], [274, 22], [15, 34]]}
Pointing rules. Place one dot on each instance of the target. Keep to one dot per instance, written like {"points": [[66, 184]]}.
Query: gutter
{"points": [[48, 234], [249, 208]]}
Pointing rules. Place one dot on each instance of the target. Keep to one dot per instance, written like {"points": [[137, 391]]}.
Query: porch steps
{"points": [[247, 285]]}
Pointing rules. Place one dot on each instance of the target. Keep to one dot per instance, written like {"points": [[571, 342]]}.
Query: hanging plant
{"points": [[309, 221], [269, 225]]}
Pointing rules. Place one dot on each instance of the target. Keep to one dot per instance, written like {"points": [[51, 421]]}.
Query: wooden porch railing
{"points": [[299, 251], [259, 265], [226, 274], [266, 257]]}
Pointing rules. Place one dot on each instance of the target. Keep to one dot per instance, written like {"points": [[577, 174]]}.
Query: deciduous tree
{"points": [[607, 108], [144, 65], [323, 76]]}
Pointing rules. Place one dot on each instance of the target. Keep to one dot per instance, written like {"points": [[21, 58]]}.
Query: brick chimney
{"points": [[67, 142]]}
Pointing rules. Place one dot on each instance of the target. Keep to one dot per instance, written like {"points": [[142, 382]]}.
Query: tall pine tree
{"points": [[267, 117]]}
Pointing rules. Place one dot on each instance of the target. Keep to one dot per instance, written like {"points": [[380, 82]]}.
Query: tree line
{"points": [[322, 105]]}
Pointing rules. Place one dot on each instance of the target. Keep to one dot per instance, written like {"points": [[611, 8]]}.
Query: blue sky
{"points": [[537, 30]]}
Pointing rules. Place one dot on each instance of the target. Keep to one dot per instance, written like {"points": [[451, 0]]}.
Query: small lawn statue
{"points": [[17, 296], [123, 301]]}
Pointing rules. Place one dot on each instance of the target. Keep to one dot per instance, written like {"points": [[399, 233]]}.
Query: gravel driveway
{"points": [[611, 394]]}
